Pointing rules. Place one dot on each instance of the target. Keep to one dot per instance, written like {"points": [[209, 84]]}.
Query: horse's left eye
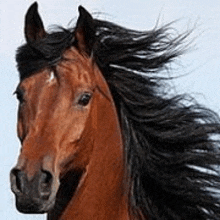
{"points": [[20, 95], [84, 99]]}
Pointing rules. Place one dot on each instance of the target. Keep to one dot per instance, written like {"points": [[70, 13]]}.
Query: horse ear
{"points": [[34, 28], [84, 32]]}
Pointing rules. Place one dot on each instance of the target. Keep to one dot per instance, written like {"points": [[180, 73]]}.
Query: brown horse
{"points": [[98, 141]]}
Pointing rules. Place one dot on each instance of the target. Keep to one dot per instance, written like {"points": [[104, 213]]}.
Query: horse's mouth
{"points": [[29, 205], [26, 203]]}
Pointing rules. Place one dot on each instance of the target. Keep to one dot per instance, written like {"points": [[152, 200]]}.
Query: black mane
{"points": [[168, 143]]}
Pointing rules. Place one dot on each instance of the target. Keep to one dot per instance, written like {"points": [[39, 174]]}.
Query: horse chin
{"points": [[29, 205]]}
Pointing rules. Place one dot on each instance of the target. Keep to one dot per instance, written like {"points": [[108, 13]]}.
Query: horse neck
{"points": [[101, 193]]}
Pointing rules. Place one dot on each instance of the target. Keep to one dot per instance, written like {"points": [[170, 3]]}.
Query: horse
{"points": [[101, 138]]}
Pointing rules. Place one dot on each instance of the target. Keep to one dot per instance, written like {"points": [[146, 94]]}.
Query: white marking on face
{"points": [[52, 76]]}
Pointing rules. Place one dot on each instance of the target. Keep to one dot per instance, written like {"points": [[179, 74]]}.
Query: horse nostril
{"points": [[46, 180], [16, 177], [46, 177]]}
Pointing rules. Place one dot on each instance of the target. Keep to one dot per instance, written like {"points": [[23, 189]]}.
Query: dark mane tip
{"points": [[170, 155]]}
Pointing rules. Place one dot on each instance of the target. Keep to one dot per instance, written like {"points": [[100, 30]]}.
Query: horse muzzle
{"points": [[33, 195]]}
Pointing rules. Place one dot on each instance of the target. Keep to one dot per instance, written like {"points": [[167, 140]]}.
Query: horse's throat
{"points": [[101, 191]]}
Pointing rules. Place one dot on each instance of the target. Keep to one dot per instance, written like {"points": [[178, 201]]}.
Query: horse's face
{"points": [[57, 117], [54, 122]]}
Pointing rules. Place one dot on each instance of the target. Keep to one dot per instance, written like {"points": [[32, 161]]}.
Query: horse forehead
{"points": [[78, 73], [34, 81], [77, 68]]}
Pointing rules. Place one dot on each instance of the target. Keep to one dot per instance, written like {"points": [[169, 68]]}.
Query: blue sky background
{"points": [[200, 66]]}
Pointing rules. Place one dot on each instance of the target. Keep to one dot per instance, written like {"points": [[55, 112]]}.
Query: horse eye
{"points": [[20, 95], [84, 99]]}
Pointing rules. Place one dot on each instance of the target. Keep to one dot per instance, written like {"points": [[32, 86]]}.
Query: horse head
{"points": [[62, 108]]}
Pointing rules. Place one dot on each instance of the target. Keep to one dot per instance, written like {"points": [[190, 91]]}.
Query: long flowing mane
{"points": [[170, 153]]}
